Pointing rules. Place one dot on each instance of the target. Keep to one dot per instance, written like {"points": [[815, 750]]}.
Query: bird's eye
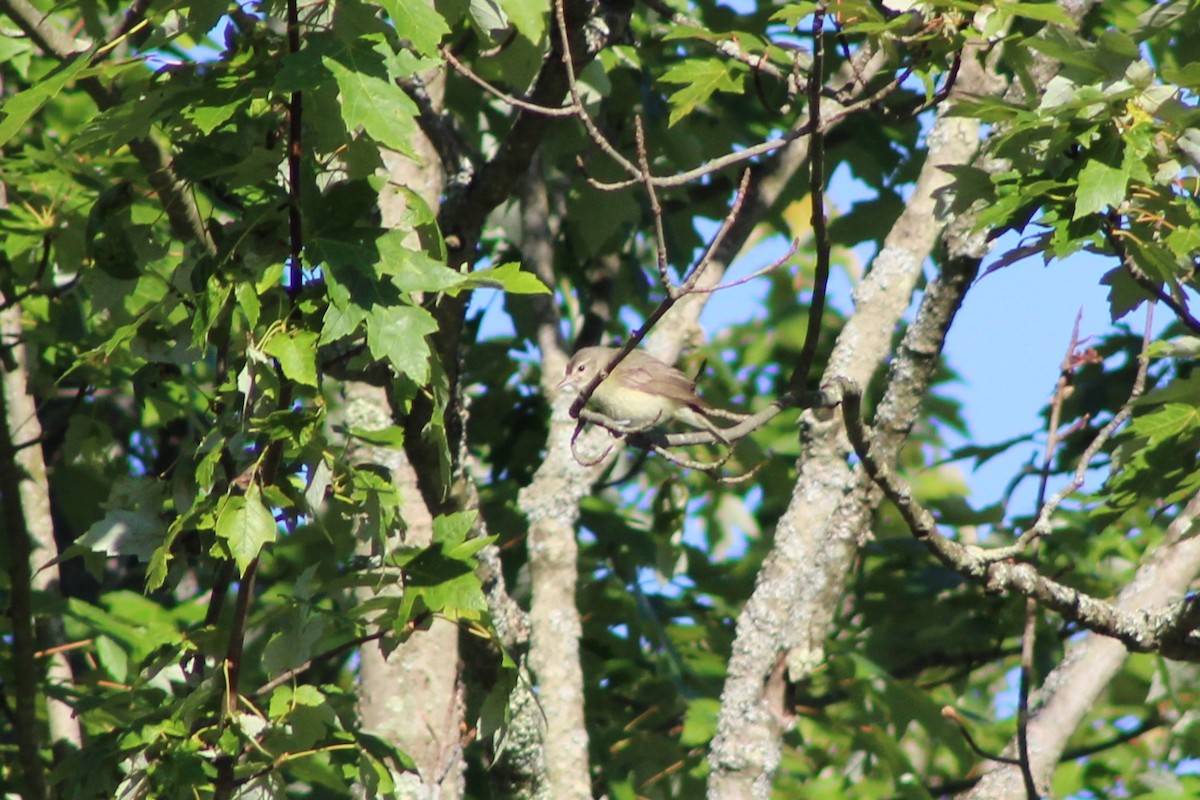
{"points": [[579, 368]]}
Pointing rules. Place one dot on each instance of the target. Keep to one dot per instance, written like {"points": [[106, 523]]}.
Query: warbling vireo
{"points": [[641, 391]]}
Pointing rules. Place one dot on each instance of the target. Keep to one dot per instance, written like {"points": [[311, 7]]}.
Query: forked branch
{"points": [[1169, 630]]}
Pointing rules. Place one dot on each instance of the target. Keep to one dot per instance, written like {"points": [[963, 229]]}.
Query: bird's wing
{"points": [[658, 378]]}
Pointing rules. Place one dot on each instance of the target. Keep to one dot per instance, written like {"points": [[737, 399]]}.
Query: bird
{"points": [[641, 391]]}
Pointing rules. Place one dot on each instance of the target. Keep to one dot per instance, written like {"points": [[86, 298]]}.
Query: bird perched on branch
{"points": [[641, 391]]}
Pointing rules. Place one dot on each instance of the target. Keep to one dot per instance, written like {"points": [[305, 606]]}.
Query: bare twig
{"points": [[295, 156], [656, 212], [1043, 525], [512, 100], [816, 167], [601, 141], [710, 166], [1028, 642], [947, 87], [691, 463], [575, 453], [950, 713], [1166, 630], [1062, 389], [774, 265], [735, 208]]}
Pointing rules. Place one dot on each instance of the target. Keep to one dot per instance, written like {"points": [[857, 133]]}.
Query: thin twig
{"points": [[1043, 525], [710, 166], [947, 87], [950, 713], [816, 166], [1163, 630], [656, 212], [575, 437], [735, 208], [798, 131], [1029, 635], [560, 15], [508, 99], [690, 463], [774, 265], [295, 155], [1028, 642]]}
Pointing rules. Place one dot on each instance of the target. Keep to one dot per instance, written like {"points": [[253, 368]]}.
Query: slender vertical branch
{"points": [[656, 211], [816, 173], [1029, 636], [1028, 643], [294, 153]]}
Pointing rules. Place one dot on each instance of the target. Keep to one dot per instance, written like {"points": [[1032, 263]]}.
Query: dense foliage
{"points": [[286, 293]]}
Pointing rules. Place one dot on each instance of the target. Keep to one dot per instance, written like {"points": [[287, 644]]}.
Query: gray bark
{"points": [[786, 620]]}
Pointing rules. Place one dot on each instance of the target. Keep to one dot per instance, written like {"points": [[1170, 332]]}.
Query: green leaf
{"points": [[124, 533], [701, 77], [397, 334], [392, 436], [1179, 347], [444, 584], [792, 13], [341, 320], [246, 525], [530, 17], [353, 273], [209, 118], [1043, 12], [249, 302], [490, 18], [292, 646], [509, 277], [700, 722], [1155, 260], [1185, 75], [381, 107], [1124, 294], [466, 550], [1170, 422], [21, 107], [418, 22], [1100, 186], [1184, 241], [414, 270], [449, 528], [297, 354]]}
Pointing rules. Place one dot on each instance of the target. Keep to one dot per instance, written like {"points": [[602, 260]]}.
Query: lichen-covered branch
{"points": [[1138, 630], [1071, 690], [788, 614]]}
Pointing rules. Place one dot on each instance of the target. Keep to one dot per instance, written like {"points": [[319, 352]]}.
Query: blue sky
{"points": [[1007, 342]]}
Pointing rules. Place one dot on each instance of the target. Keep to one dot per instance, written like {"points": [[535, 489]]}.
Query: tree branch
{"points": [[1142, 632], [802, 578]]}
